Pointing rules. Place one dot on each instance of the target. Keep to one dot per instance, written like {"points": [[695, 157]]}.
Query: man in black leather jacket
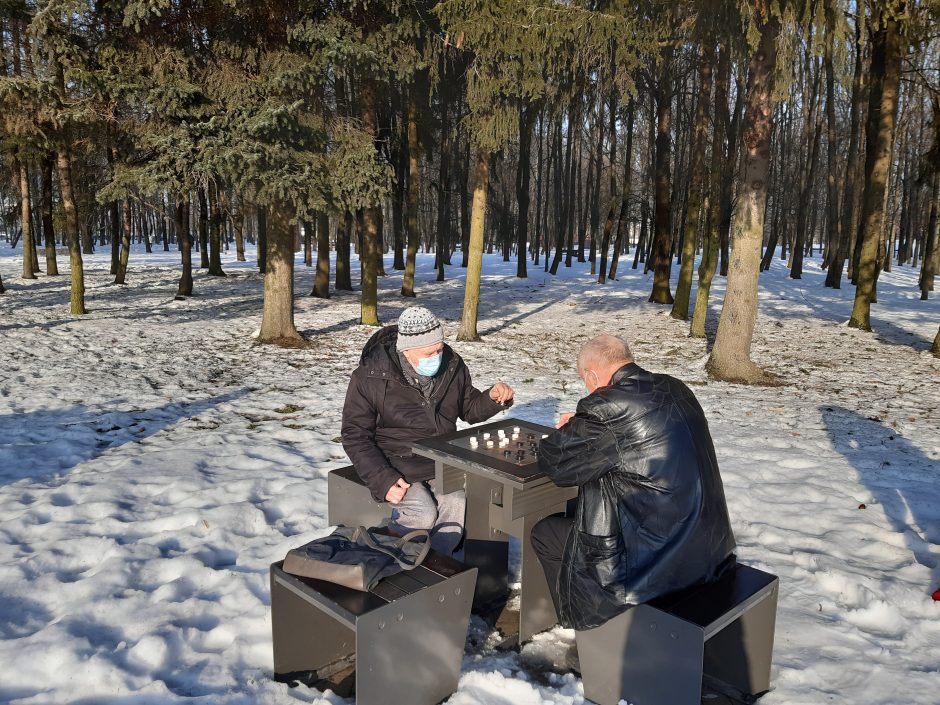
{"points": [[651, 514]]}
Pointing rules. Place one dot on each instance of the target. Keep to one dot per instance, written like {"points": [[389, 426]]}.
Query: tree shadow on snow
{"points": [[45, 443], [900, 476]]}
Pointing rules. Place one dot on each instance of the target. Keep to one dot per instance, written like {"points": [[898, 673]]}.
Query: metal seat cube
{"points": [[349, 501], [657, 653], [412, 623]]}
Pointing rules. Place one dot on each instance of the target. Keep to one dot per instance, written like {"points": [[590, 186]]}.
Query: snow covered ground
{"points": [[154, 461]]}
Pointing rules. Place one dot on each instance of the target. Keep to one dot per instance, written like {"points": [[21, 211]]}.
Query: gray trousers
{"points": [[440, 514]]}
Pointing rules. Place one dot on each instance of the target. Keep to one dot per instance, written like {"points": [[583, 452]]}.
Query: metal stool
{"points": [[657, 653], [414, 623], [349, 501]]}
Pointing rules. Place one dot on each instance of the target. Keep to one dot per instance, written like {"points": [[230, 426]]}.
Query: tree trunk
{"points": [[203, 228], [121, 275], [262, 215], [215, 234], [885, 74], [623, 224], [931, 252], [25, 220], [48, 229], [731, 356], [936, 344], [471, 301], [238, 225], [64, 167], [371, 220], [616, 192], [277, 320], [680, 307], [185, 287], [411, 197], [712, 202], [308, 243], [523, 174], [321, 283], [343, 240], [662, 237]]}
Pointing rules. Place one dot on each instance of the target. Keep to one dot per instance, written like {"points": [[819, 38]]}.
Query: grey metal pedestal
{"points": [[503, 499]]}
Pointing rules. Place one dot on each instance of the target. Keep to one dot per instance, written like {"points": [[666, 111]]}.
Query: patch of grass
{"points": [[288, 409]]}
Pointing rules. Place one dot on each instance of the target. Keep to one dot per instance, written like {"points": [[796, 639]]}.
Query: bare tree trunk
{"points": [[262, 216], [680, 307], [623, 224], [411, 197], [662, 236], [931, 252], [25, 219], [321, 283], [308, 243], [616, 193], [936, 344], [185, 287], [48, 228], [121, 275], [523, 173], [343, 237], [277, 320], [885, 74], [215, 234], [834, 222], [471, 301], [712, 203], [371, 220], [731, 356], [203, 228], [64, 167]]}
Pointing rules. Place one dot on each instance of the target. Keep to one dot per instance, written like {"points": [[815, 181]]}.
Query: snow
{"points": [[154, 461]]}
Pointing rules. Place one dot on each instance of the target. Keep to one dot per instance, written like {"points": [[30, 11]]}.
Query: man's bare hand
{"points": [[501, 393], [564, 418], [396, 493]]}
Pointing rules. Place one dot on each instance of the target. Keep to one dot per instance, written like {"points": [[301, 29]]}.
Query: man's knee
{"points": [[550, 535], [416, 511]]}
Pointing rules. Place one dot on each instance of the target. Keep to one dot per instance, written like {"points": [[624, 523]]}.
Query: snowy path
{"points": [[153, 462]]}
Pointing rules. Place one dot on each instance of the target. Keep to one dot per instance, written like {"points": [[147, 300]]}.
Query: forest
{"points": [[601, 135]]}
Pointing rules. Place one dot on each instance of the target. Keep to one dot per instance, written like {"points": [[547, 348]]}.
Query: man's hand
{"points": [[564, 418], [501, 393], [396, 493]]}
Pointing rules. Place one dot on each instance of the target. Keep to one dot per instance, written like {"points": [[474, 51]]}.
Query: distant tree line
{"points": [[614, 134]]}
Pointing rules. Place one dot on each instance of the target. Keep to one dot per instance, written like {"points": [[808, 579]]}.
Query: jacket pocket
{"points": [[603, 557]]}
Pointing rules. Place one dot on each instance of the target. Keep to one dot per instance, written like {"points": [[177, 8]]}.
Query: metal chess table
{"points": [[497, 465]]}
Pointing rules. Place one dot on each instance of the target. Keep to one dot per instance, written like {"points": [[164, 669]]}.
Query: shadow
{"points": [[901, 477], [46, 443], [543, 411]]}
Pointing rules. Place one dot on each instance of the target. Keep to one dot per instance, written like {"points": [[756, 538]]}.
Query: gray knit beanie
{"points": [[418, 328]]}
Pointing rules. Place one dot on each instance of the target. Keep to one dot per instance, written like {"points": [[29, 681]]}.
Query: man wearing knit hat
{"points": [[410, 385]]}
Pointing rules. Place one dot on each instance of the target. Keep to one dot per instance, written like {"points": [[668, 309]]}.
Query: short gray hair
{"points": [[604, 350]]}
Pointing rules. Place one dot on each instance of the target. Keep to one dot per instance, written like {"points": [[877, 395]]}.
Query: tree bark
{"points": [[26, 224], [523, 174], [64, 167], [411, 196], [712, 202], [680, 307], [215, 234], [623, 224], [731, 355], [277, 320], [343, 239], [371, 220], [885, 74], [321, 282], [48, 228], [203, 228], [121, 275], [662, 237], [262, 215], [185, 287], [468, 324]]}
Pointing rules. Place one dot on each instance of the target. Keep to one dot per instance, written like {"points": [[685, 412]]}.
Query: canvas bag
{"points": [[358, 558]]}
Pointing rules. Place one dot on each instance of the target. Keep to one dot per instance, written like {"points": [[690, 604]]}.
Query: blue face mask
{"points": [[429, 366]]}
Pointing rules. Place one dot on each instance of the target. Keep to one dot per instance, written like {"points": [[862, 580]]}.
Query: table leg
{"points": [[536, 609], [485, 548]]}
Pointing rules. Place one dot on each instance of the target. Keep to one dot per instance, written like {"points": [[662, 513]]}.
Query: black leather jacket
{"points": [[651, 515], [384, 415]]}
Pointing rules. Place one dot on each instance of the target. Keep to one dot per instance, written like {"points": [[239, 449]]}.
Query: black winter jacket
{"points": [[384, 415], [651, 516]]}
